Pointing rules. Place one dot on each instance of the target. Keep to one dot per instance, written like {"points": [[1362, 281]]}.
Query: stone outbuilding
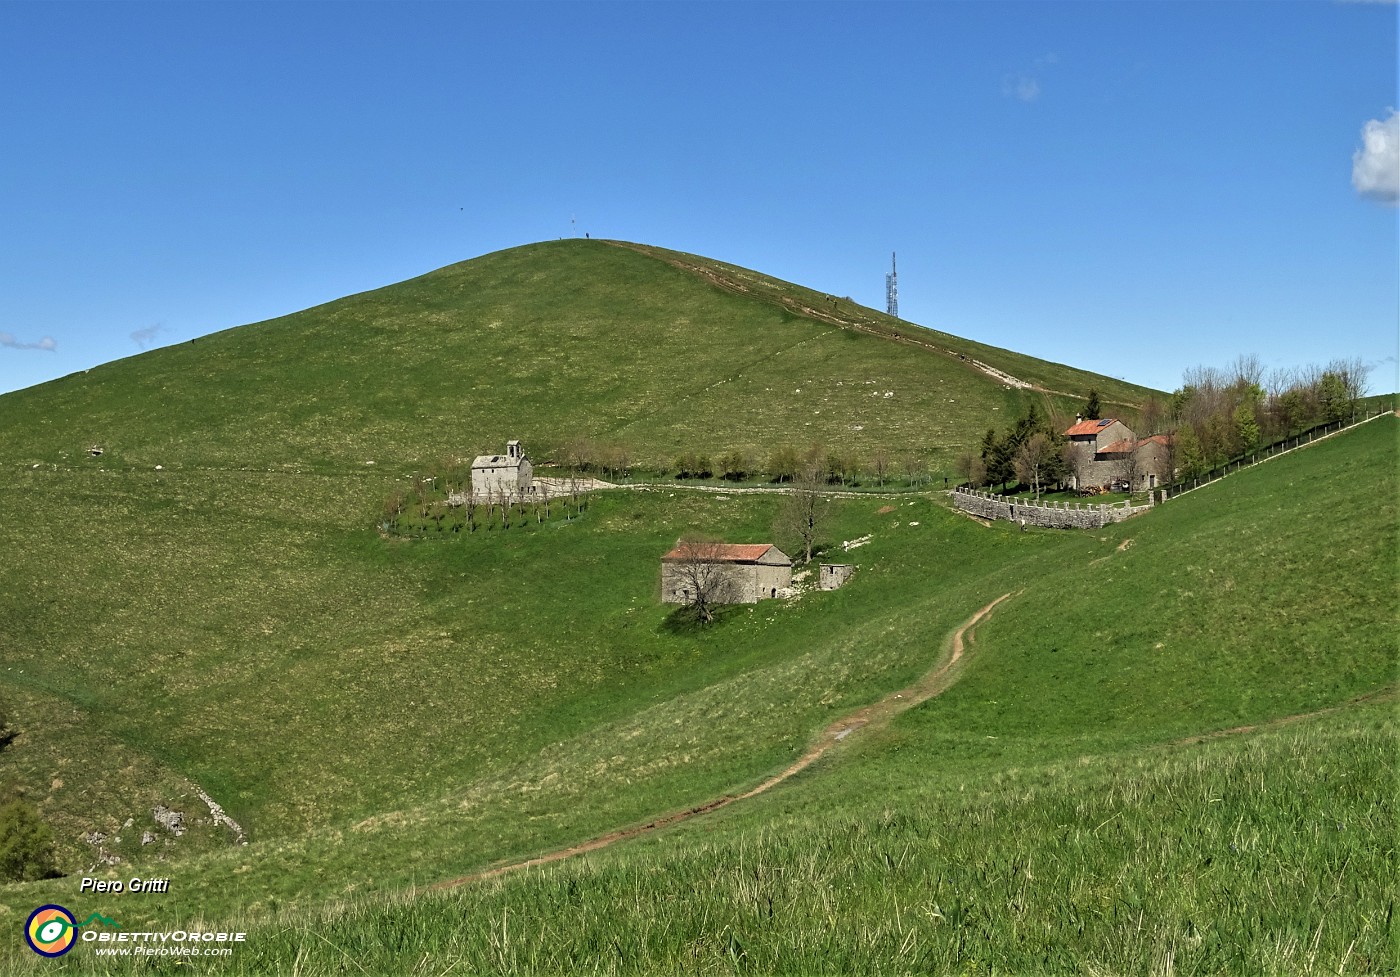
{"points": [[743, 573], [509, 476], [833, 575]]}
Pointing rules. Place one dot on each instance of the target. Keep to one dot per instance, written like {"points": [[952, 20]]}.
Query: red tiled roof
{"points": [[722, 552], [1090, 427], [1127, 444]]}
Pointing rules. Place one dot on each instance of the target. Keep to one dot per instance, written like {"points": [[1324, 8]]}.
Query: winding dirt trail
{"points": [[875, 715], [1379, 695]]}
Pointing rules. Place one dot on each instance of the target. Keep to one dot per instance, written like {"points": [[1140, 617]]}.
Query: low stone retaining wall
{"points": [[1050, 515]]}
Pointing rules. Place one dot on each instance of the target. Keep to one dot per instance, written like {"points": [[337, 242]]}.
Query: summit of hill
{"points": [[652, 350]]}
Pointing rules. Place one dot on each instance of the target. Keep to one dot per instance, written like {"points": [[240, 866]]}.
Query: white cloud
{"points": [[47, 344], [143, 336], [1025, 85], [1375, 167]]}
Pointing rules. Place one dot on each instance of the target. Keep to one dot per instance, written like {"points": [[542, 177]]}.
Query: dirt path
{"points": [[875, 715], [1389, 692]]}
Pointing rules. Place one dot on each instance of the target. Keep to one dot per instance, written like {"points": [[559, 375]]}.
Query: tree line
{"points": [[1218, 414]]}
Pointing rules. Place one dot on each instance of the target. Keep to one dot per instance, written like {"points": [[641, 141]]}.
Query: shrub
{"points": [[26, 844]]}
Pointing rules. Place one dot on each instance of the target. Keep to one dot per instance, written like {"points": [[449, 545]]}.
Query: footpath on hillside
{"points": [[875, 715]]}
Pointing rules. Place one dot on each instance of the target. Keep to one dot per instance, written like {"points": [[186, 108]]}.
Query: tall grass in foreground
{"points": [[1271, 854]]}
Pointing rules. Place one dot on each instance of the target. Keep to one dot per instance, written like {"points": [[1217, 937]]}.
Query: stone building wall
{"points": [[748, 582]]}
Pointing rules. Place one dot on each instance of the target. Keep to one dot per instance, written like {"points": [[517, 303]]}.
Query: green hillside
{"points": [[636, 346], [383, 714], [1170, 749]]}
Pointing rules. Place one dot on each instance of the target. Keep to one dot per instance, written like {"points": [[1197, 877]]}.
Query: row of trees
{"points": [[1218, 414], [786, 464]]}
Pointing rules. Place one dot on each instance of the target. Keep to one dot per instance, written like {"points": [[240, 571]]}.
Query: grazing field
{"points": [[383, 714]]}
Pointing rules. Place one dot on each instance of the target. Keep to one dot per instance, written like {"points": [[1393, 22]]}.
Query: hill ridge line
{"points": [[795, 306]]}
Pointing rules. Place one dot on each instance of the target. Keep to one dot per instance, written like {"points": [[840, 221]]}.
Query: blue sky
{"points": [[1133, 188]]}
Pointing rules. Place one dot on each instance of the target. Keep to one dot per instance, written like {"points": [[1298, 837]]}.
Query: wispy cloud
{"points": [[9, 341], [1025, 85], [1375, 167], [143, 337]]}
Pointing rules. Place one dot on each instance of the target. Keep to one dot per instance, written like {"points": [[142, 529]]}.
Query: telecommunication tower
{"points": [[892, 288]]}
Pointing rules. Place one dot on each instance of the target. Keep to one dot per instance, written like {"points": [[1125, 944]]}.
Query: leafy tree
{"points": [[783, 464], [1246, 428], [1092, 407], [1190, 457], [26, 844], [1000, 469], [736, 465], [1332, 397]]}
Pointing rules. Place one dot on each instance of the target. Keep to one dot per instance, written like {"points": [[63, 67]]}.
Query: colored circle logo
{"points": [[51, 931]]}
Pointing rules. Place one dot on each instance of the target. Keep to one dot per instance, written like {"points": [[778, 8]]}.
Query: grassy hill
{"points": [[383, 714], [632, 345]]}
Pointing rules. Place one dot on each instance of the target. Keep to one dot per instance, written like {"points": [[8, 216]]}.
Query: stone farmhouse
{"points": [[509, 476], [750, 571], [1105, 452]]}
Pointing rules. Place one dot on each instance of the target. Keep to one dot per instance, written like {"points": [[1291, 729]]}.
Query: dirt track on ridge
{"points": [[874, 715]]}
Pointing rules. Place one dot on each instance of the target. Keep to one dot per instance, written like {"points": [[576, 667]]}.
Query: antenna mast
{"points": [[892, 288]]}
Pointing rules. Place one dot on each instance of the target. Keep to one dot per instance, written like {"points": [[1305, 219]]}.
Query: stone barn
{"points": [[741, 573], [509, 476], [833, 575]]}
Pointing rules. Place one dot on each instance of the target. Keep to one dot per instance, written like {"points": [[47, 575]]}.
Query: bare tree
{"points": [[1078, 460], [394, 504], [804, 510], [970, 467], [1130, 468], [1353, 373], [699, 576], [1154, 416], [1032, 459], [915, 468], [880, 465]]}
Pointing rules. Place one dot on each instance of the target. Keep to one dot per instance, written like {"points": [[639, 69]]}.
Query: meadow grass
{"points": [[1268, 854], [1067, 692]]}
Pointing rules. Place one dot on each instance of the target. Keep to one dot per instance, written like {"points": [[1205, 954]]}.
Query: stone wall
{"points": [[1050, 515]]}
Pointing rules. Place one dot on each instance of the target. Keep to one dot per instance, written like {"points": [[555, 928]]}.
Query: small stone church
{"points": [[509, 476]]}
